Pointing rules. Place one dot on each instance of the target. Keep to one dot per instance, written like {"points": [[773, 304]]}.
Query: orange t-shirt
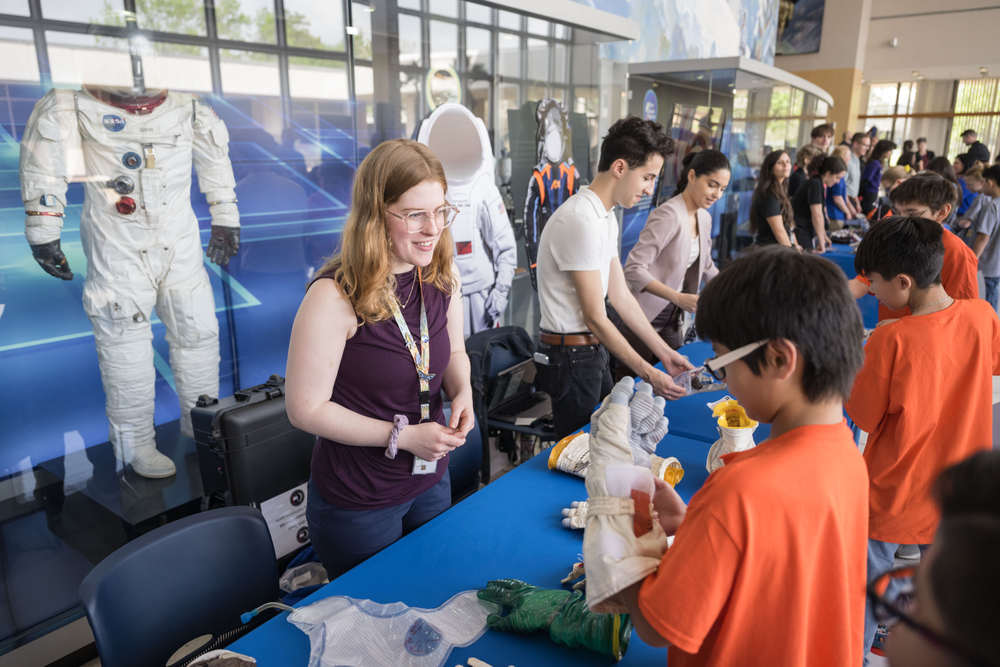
{"points": [[925, 396], [958, 275], [768, 567]]}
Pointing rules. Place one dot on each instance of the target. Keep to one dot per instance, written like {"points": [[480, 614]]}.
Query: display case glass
{"points": [[744, 113], [292, 94]]}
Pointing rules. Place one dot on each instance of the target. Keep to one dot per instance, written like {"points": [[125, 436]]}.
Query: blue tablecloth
{"points": [[842, 255], [511, 528]]}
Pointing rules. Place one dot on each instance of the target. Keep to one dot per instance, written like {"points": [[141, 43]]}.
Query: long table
{"points": [[842, 255], [510, 528]]}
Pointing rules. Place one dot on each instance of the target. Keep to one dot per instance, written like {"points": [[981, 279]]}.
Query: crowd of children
{"points": [[773, 556]]}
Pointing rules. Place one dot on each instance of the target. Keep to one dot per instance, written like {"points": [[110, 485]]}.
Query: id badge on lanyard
{"points": [[422, 363]]}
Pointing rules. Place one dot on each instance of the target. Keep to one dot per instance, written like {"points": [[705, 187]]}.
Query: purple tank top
{"points": [[377, 379]]}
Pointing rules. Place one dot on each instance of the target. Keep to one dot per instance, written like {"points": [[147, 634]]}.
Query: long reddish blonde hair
{"points": [[362, 267]]}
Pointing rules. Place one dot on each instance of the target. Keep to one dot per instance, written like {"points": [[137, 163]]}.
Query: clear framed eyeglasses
{"points": [[416, 221]]}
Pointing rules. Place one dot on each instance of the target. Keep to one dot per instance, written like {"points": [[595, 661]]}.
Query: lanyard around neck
{"points": [[421, 359]]}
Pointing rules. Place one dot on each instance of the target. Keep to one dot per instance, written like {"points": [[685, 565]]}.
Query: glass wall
{"points": [[304, 89], [744, 115]]}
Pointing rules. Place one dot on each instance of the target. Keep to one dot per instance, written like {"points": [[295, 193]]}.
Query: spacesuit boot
{"points": [[735, 431], [141, 240], [485, 250]]}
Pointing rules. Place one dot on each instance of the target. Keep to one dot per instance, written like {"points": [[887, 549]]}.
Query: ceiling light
{"points": [[914, 73], [920, 77], [984, 69]]}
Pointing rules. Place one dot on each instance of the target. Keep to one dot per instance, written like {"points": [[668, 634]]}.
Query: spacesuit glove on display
{"points": [[622, 543], [496, 303], [735, 431], [364, 633], [52, 260], [223, 245], [562, 613]]}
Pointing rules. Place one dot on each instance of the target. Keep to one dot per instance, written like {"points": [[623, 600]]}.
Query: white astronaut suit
{"points": [[485, 250], [141, 240]]}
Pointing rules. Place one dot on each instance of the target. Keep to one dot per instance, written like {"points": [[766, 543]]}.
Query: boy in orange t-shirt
{"points": [[768, 564], [932, 197], [925, 394]]}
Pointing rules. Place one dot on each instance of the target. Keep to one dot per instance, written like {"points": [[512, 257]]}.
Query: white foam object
{"points": [[344, 631]]}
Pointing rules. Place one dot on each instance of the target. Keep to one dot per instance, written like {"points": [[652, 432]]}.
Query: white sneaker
{"points": [[908, 552]]}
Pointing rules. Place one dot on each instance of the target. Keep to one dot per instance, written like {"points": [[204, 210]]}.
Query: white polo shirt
{"points": [[580, 236]]}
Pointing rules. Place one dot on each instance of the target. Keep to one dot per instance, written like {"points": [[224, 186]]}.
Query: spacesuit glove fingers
{"points": [[659, 431], [513, 622], [623, 391]]}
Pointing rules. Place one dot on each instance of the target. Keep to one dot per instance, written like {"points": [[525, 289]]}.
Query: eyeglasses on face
{"points": [[416, 221], [716, 366], [891, 595]]}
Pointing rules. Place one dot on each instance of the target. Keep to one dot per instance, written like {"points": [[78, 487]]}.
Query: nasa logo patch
{"points": [[113, 123]]}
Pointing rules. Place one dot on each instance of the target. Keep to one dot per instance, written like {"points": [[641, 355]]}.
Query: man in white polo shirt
{"points": [[578, 266]]}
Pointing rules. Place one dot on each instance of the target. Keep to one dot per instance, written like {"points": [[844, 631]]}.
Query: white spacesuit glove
{"points": [[735, 428], [622, 544], [496, 302]]}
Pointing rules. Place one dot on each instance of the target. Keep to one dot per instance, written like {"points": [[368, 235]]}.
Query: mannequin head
{"points": [[456, 140], [553, 132]]}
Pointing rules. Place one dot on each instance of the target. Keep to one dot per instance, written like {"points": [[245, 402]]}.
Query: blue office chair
{"points": [[187, 579], [465, 463]]}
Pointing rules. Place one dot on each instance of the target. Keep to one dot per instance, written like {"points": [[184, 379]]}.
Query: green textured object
{"points": [[564, 614]]}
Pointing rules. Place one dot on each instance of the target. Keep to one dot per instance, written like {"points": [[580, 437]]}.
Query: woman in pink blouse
{"points": [[673, 256]]}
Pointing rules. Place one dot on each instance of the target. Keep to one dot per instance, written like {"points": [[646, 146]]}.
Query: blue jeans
{"points": [[992, 291], [881, 559], [345, 538]]}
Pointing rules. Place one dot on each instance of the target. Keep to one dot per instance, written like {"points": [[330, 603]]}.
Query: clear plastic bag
{"points": [[697, 381], [362, 633], [307, 574]]}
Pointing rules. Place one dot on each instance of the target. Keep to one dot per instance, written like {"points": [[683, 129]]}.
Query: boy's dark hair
{"points": [[992, 173], [970, 132], [898, 245], [634, 140], [921, 140], [971, 486], [965, 583], [929, 189], [775, 293], [825, 164], [824, 130], [858, 136]]}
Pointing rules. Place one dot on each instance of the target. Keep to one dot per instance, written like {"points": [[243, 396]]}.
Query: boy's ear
{"points": [[618, 167], [781, 357], [942, 214], [904, 281]]}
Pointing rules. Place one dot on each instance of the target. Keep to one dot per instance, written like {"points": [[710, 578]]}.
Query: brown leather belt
{"points": [[569, 340]]}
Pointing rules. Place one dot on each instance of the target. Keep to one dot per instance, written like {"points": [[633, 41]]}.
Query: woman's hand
{"points": [[430, 441], [462, 418], [687, 302]]}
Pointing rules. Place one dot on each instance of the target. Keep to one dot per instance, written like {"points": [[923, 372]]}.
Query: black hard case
{"points": [[248, 451]]}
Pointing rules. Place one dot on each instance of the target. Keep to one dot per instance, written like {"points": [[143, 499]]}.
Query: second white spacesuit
{"points": [[141, 240], [485, 250]]}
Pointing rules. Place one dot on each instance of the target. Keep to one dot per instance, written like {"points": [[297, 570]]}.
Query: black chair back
{"points": [[190, 578]]}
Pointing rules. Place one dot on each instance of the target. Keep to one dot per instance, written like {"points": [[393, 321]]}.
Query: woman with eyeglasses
{"points": [[376, 339]]}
